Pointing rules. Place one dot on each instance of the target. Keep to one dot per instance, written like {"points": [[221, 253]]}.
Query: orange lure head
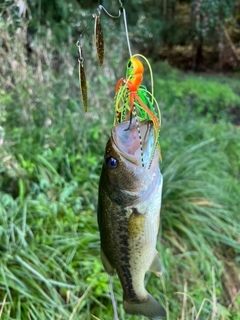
{"points": [[135, 71]]}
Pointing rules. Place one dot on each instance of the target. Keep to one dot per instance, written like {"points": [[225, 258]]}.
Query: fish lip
{"points": [[129, 147]]}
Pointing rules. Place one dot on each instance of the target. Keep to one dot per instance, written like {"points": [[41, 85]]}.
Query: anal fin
{"points": [[156, 265]]}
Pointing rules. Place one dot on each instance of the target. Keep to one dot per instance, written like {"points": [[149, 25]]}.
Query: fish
{"points": [[129, 201]]}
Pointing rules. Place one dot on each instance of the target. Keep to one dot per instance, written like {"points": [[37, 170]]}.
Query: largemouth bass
{"points": [[129, 214]]}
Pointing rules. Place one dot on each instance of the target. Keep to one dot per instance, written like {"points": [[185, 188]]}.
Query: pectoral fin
{"points": [[106, 264], [156, 266]]}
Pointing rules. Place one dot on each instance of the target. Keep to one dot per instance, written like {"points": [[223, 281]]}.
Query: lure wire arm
{"points": [[100, 7], [121, 11], [126, 30]]}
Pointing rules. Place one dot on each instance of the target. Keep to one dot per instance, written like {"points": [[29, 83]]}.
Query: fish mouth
{"points": [[134, 141]]}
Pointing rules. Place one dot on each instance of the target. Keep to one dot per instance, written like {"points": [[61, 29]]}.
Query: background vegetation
{"points": [[51, 154]]}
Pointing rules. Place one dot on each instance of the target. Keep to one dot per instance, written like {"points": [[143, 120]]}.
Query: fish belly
{"points": [[142, 230], [128, 241]]}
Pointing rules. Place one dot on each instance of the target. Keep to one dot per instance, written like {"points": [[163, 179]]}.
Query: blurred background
{"points": [[51, 154]]}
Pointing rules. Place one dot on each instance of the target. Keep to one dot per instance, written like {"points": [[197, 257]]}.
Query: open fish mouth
{"points": [[134, 141]]}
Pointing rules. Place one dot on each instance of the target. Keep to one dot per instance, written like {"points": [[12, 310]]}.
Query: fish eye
{"points": [[111, 163]]}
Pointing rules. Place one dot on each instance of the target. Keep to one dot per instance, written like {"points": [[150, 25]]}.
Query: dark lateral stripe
{"points": [[124, 268]]}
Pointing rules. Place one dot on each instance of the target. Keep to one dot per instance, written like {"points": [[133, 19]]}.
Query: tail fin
{"points": [[149, 308]]}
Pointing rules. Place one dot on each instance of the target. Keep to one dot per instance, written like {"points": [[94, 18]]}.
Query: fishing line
{"points": [[112, 298]]}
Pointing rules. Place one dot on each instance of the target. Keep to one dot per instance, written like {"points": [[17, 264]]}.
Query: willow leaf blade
{"points": [[83, 85], [99, 40]]}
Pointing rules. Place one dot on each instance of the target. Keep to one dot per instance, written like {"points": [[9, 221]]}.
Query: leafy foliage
{"points": [[209, 16]]}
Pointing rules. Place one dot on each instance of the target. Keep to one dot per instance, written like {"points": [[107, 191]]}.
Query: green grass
{"points": [[199, 218], [50, 162], [215, 97]]}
